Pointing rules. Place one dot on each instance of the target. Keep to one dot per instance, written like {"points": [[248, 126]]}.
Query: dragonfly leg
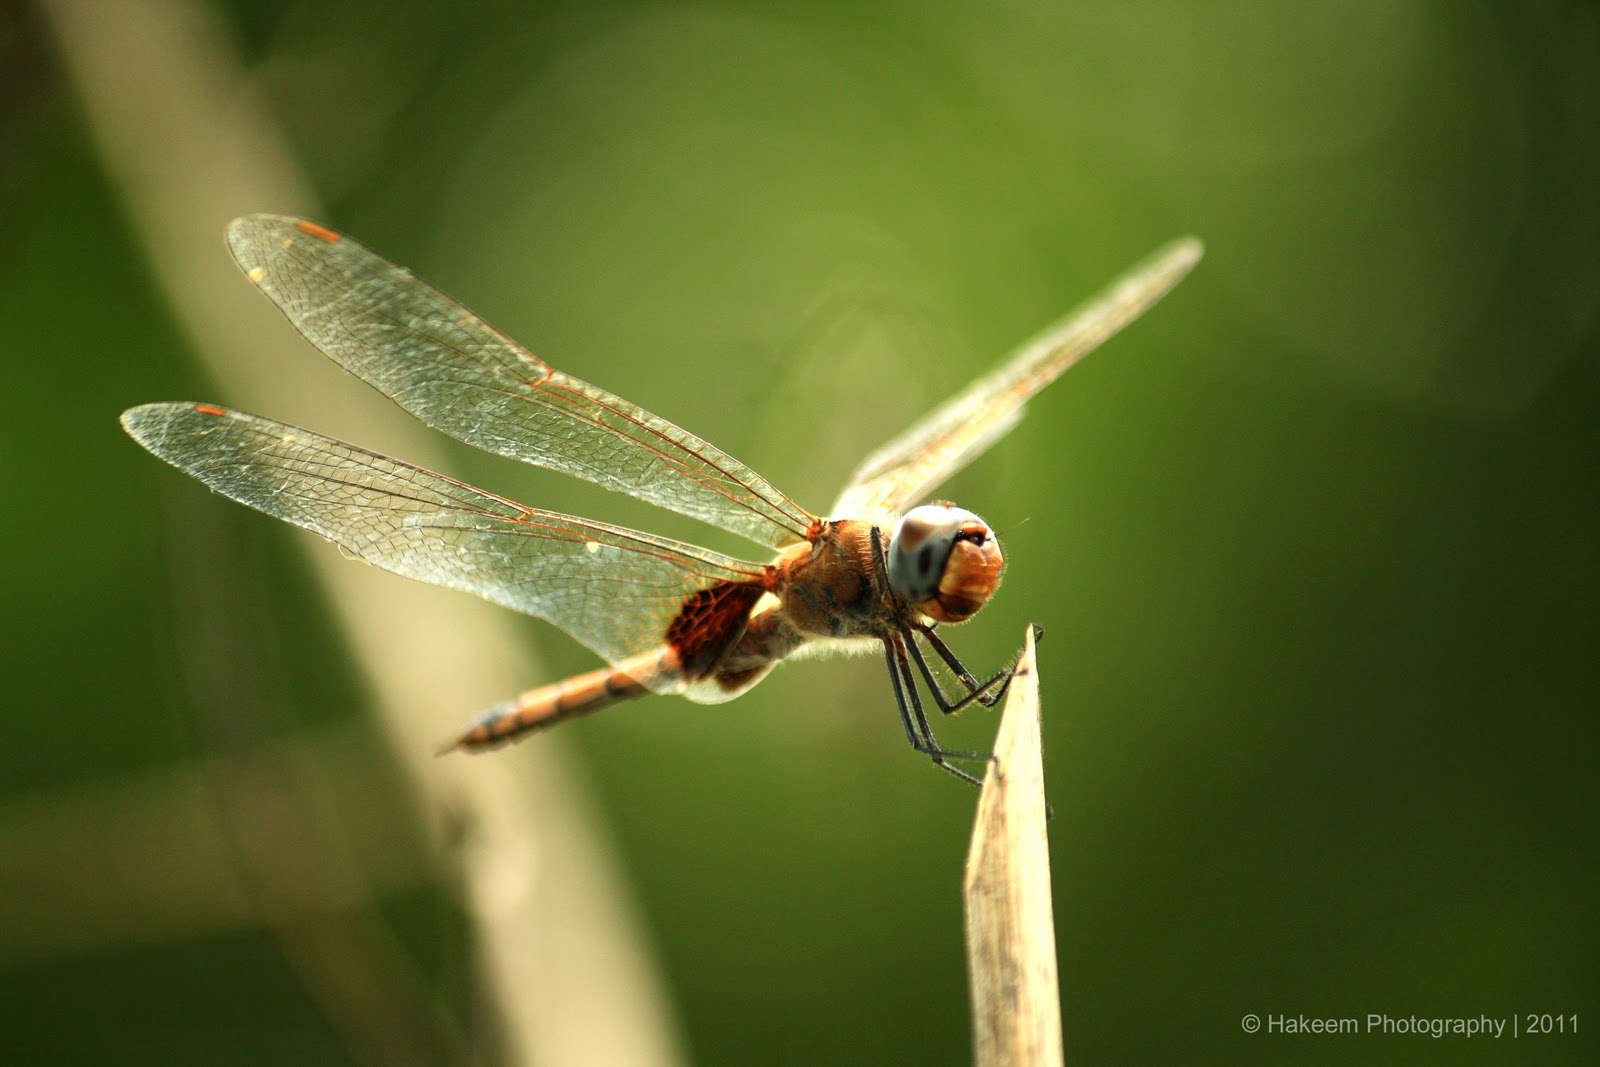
{"points": [[915, 720], [987, 693], [976, 692]]}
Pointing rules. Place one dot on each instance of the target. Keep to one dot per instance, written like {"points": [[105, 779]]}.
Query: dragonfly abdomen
{"points": [[581, 694]]}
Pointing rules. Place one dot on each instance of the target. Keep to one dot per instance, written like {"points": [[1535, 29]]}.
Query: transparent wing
{"points": [[457, 373], [616, 590], [913, 464]]}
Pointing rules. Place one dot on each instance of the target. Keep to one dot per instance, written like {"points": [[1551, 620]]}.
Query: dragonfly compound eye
{"points": [[945, 561]]}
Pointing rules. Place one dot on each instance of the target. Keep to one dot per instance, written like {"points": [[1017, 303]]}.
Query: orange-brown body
{"points": [[830, 587]]}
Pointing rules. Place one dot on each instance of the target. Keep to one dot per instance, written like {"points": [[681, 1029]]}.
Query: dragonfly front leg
{"points": [[915, 720], [980, 692], [987, 693]]}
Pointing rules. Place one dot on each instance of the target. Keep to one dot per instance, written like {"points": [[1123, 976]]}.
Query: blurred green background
{"points": [[1316, 544]]}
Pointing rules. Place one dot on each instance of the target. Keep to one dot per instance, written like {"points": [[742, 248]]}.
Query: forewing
{"points": [[616, 590], [913, 464], [457, 373]]}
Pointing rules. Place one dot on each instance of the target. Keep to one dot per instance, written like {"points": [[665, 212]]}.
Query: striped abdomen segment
{"points": [[579, 695]]}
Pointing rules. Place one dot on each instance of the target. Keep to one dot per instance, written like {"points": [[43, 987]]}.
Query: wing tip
{"points": [[150, 424], [247, 227], [249, 232], [140, 422]]}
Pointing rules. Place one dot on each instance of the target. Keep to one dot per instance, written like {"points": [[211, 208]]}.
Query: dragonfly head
{"points": [[944, 561]]}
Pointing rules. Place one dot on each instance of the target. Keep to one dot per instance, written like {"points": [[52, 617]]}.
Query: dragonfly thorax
{"points": [[944, 561]]}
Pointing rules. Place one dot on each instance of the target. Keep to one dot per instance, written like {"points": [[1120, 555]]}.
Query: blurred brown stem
{"points": [[188, 146]]}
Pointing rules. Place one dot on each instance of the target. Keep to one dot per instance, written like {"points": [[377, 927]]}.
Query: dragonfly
{"points": [[667, 616]]}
